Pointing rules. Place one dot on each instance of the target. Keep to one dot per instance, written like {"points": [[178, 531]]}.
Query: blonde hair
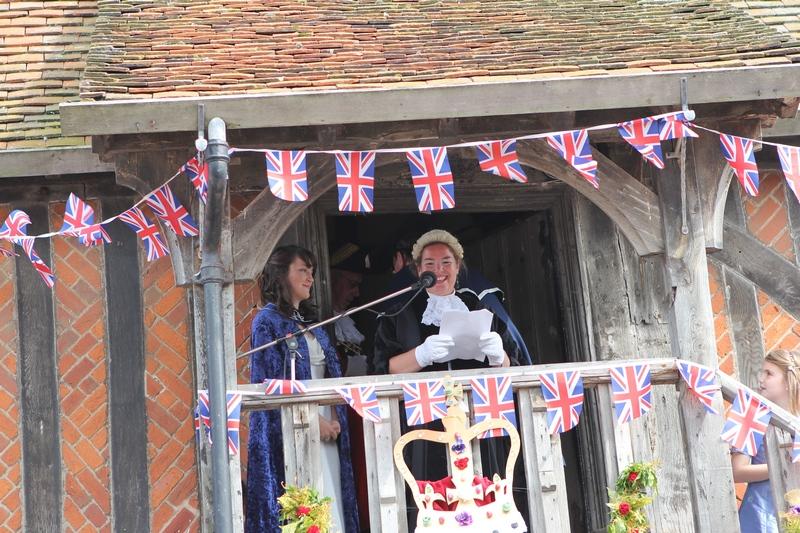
{"points": [[789, 363]]}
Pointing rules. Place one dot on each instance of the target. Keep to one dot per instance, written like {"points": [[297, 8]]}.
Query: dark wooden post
{"points": [[692, 337]]}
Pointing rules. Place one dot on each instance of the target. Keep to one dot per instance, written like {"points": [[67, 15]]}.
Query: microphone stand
{"points": [[418, 286]]}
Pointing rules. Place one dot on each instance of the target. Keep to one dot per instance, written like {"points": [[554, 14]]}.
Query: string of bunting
{"points": [[745, 425], [431, 178]]}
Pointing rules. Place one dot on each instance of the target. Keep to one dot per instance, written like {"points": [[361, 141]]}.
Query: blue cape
{"points": [[265, 467]]}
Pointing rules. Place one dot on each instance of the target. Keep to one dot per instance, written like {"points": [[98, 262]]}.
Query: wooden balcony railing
{"points": [[541, 452]]}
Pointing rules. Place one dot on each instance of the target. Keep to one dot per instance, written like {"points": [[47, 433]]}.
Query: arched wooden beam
{"points": [[629, 203], [259, 227]]}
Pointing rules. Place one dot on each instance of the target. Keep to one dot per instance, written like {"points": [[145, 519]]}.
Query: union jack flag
{"points": [[575, 149], [197, 425], [278, 387], [739, 153], [790, 161], [746, 423], [631, 391], [500, 158], [492, 397], [563, 395], [79, 222], [796, 447], [14, 229], [425, 402], [643, 134], [363, 401], [203, 413], [675, 126], [432, 179], [147, 231], [169, 209], [7, 253], [702, 381], [286, 172], [355, 179], [197, 171], [234, 400]]}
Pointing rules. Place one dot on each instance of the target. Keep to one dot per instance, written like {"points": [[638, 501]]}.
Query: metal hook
{"points": [[201, 143]]}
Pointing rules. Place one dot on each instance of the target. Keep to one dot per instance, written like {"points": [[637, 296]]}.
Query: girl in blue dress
{"points": [[779, 382], [285, 292]]}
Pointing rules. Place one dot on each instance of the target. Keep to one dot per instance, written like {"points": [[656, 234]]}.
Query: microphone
{"points": [[426, 280]]}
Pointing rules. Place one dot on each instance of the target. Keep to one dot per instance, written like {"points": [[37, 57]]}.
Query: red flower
{"points": [[632, 476], [313, 529], [624, 508], [303, 510], [461, 464]]}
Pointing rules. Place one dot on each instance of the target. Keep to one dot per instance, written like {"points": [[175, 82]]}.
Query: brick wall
{"points": [[80, 346], [10, 445]]}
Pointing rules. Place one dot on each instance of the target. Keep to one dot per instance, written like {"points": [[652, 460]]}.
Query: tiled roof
{"points": [[160, 48], [43, 46], [783, 15]]}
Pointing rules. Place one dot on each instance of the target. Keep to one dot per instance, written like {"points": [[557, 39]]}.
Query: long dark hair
{"points": [[273, 281]]}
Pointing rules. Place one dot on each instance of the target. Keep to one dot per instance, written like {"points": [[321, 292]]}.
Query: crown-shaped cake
{"points": [[465, 501]]}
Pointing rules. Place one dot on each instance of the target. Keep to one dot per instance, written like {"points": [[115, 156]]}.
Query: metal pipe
{"points": [[212, 277]]}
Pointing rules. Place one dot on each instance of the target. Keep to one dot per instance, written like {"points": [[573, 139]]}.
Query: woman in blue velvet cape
{"points": [[265, 465]]}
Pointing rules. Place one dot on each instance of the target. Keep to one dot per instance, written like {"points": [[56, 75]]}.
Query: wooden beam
{"points": [[293, 108], [631, 205], [691, 323], [778, 277], [51, 162]]}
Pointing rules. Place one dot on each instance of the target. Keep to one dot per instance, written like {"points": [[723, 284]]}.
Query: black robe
{"points": [[401, 333]]}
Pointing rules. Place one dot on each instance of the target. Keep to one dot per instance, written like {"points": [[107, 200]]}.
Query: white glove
{"points": [[492, 347], [434, 349]]}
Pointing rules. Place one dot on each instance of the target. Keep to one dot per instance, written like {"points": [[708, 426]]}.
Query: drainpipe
{"points": [[212, 277]]}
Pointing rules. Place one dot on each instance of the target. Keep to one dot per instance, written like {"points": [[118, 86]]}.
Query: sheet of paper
{"points": [[466, 328]]}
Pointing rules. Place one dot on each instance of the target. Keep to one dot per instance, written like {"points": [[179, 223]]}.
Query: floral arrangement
{"points": [[304, 511], [791, 518], [629, 498]]}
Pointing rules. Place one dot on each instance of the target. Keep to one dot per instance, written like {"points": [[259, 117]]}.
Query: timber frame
{"points": [[636, 284]]}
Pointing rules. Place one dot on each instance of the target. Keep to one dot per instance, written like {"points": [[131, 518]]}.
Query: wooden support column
{"points": [[779, 458], [692, 337]]}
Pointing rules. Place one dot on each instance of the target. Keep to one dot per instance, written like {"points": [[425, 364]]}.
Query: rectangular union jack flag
{"points": [[234, 400], [432, 179], [424, 402], [796, 447], [702, 381], [631, 391], [286, 173], [746, 423], [363, 400], [575, 149], [738, 151], [79, 222], [563, 395], [500, 158], [15, 229], [492, 397], [355, 179], [278, 387], [675, 126], [197, 172], [171, 211], [147, 231], [643, 134], [790, 162]]}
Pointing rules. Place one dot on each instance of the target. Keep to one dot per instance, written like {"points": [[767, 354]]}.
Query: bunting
{"points": [[286, 174], [500, 158], [563, 396], [630, 391], [355, 181], [234, 404], [278, 387], [14, 229], [746, 423], [79, 222], [196, 169], [424, 401], [146, 231], [644, 135], [574, 148], [492, 398], [796, 447], [363, 401], [738, 151], [790, 162], [171, 211], [675, 126], [432, 179], [702, 382]]}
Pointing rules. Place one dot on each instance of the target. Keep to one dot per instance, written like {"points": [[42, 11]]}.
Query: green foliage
{"points": [[302, 509], [627, 503]]}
